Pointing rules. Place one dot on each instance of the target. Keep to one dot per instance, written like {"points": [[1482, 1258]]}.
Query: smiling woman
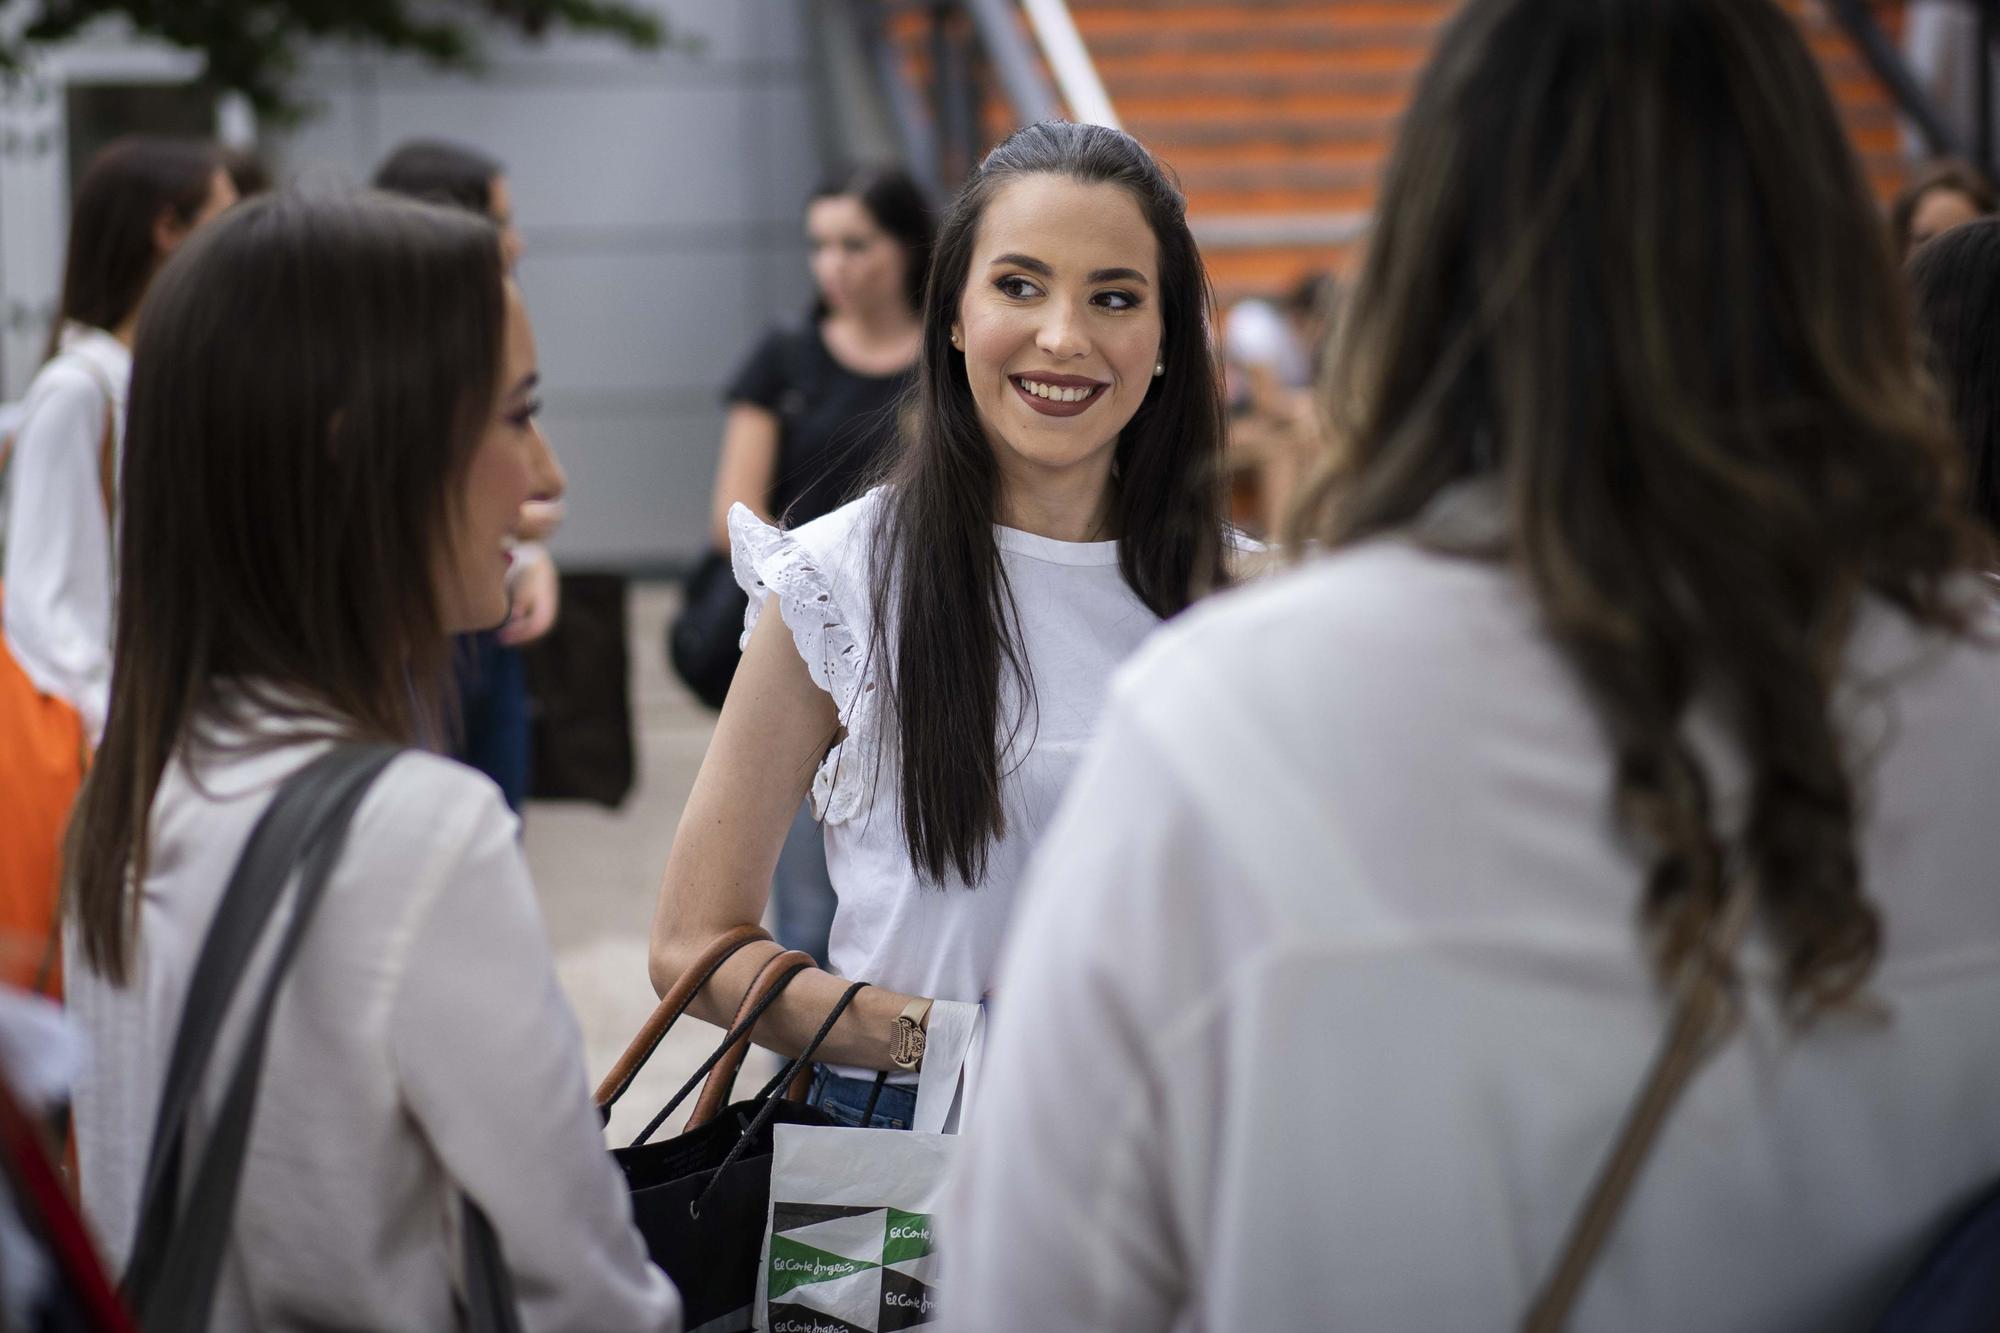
{"points": [[943, 644]]}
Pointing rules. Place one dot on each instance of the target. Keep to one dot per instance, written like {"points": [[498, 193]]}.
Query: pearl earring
{"points": [[1159, 368]]}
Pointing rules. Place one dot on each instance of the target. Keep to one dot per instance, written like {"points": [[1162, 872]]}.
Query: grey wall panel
{"points": [[605, 157], [784, 150], [660, 321], [659, 195], [768, 30], [639, 481]]}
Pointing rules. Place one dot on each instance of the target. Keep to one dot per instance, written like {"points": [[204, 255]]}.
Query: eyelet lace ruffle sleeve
{"points": [[831, 641]]}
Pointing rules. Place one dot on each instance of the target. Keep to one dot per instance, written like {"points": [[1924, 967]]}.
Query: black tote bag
{"points": [[702, 1198]]}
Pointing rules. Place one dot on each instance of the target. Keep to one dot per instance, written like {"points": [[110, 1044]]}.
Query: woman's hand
{"points": [[537, 597]]}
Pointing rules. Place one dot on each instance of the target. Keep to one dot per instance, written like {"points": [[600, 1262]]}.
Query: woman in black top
{"points": [[813, 411], [812, 416]]}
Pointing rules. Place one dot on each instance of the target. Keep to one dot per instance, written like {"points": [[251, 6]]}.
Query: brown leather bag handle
{"points": [[1705, 1011], [722, 1079], [670, 1008]]}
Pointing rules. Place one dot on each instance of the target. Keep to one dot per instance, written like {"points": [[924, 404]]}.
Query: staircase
{"points": [[1279, 114]]}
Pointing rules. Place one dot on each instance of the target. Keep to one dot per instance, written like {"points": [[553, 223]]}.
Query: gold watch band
{"points": [[906, 1049]]}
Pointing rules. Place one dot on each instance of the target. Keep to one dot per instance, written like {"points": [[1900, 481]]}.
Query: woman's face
{"points": [[511, 464], [855, 264], [168, 233], [1060, 321], [1937, 211]]}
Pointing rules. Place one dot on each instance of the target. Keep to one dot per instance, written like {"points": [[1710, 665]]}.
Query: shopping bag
{"points": [[850, 1245], [851, 1248], [43, 755]]}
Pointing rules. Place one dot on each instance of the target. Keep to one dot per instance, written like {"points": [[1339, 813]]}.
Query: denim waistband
{"points": [[844, 1099]]}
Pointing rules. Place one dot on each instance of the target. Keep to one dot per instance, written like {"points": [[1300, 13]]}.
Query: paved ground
{"points": [[598, 873]]}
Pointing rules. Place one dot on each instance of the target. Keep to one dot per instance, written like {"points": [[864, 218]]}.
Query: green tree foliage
{"points": [[253, 46]]}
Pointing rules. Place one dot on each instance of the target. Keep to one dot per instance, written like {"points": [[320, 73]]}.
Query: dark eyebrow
{"points": [[1034, 265], [526, 383], [1028, 262]]}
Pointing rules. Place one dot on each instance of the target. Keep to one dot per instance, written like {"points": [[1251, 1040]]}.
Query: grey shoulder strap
{"points": [[182, 1235]]}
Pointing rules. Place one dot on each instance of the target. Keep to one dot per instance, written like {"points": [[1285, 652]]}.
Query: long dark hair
{"points": [[127, 188], [899, 208], [1956, 278], [441, 172], [1628, 268], [943, 611], [309, 381]]}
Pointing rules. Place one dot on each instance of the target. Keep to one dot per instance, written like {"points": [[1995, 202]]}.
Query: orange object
{"points": [[42, 760]]}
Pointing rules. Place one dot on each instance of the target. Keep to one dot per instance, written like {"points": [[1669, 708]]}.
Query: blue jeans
{"points": [[846, 1098], [493, 708]]}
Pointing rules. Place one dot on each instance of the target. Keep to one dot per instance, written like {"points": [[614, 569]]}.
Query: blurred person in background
{"points": [[332, 434], [814, 413], [1956, 280], [928, 661], [247, 172], [1272, 356], [1646, 603], [1941, 196], [138, 201], [493, 735]]}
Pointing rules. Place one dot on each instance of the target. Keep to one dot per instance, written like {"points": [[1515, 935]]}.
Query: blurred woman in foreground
{"points": [[1648, 599]]}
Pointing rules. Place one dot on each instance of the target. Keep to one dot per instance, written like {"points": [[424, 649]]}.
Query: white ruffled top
{"points": [[1078, 622]]}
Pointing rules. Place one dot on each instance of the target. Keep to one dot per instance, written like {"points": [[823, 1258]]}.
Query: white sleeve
{"points": [[490, 1063], [1062, 1215], [58, 574]]}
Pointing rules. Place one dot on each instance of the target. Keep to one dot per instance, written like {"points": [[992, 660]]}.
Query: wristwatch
{"points": [[906, 1048]]}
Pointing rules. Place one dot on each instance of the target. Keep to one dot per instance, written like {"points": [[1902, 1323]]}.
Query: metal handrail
{"points": [[1070, 62], [1858, 20], [938, 132], [1028, 91]]}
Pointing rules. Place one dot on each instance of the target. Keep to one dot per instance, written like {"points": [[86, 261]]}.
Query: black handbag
{"points": [[703, 639], [580, 713], [182, 1234], [702, 1198]]}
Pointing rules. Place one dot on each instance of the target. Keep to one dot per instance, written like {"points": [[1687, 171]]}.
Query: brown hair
{"points": [[1628, 269], [128, 187], [1957, 177], [1956, 281], [309, 381]]}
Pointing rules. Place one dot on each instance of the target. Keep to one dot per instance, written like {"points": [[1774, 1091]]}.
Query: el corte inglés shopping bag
{"points": [[850, 1247]]}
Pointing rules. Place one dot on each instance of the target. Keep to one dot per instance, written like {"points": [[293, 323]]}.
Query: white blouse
{"points": [[1327, 994], [1078, 621], [420, 1047], [58, 578]]}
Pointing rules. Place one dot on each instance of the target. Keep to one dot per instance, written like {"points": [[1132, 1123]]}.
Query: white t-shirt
{"points": [[59, 569], [420, 1047], [1078, 620], [1327, 995]]}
